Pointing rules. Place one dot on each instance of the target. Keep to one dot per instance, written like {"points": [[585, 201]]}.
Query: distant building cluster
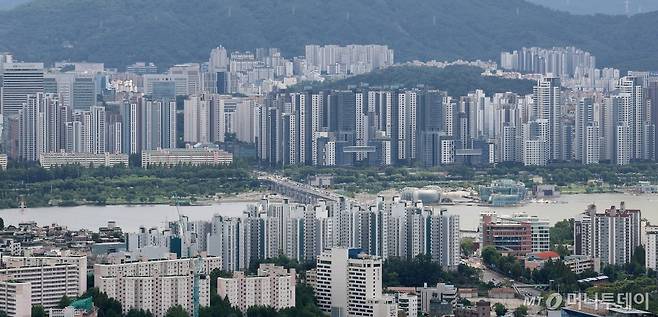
{"points": [[350, 59], [242, 97], [273, 227], [85, 110]]}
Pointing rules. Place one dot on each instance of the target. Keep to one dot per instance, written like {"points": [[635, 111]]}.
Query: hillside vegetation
{"points": [[119, 32], [455, 80]]}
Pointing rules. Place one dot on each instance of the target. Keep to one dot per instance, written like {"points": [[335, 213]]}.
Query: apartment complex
{"points": [[188, 156], [50, 278], [53, 159], [156, 285], [611, 236], [15, 297], [349, 283], [273, 286]]}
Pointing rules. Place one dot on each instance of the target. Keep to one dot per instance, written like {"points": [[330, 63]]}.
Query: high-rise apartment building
{"points": [[349, 283], [272, 286], [611, 236], [156, 285], [50, 278]]}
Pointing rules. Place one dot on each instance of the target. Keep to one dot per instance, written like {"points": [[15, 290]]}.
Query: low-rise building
{"points": [[514, 238], [581, 263], [15, 297], [53, 159], [407, 303], [273, 286], [188, 156], [156, 285], [436, 296], [536, 260], [51, 278], [481, 309], [502, 293]]}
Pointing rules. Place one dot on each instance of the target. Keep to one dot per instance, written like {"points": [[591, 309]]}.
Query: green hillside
{"points": [[455, 80], [119, 32]]}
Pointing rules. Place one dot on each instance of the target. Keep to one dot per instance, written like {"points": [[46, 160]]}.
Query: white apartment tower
{"points": [[349, 283], [156, 285]]}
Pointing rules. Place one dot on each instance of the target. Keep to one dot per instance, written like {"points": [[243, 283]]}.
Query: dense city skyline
{"points": [[398, 158]]}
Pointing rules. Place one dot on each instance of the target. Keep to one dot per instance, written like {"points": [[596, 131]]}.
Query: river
{"points": [[130, 218]]}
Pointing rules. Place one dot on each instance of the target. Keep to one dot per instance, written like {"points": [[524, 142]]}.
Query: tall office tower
{"points": [[587, 139], [444, 239], [166, 85], [158, 125], [18, 81], [192, 73], [85, 92], [131, 126], [60, 84], [633, 112], [611, 235], [156, 285], [548, 106], [430, 113], [349, 283]]}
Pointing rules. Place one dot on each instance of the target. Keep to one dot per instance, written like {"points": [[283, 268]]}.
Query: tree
{"points": [[65, 301], [467, 246], [38, 311], [500, 309], [3, 313], [176, 311], [139, 313], [2, 224], [521, 311]]}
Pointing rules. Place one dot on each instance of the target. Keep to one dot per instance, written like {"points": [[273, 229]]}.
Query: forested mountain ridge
{"points": [[119, 32]]}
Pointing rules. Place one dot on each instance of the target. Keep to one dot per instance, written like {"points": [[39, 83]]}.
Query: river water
{"points": [[130, 218]]}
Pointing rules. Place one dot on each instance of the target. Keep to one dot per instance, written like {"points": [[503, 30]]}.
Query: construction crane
{"points": [[197, 263]]}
